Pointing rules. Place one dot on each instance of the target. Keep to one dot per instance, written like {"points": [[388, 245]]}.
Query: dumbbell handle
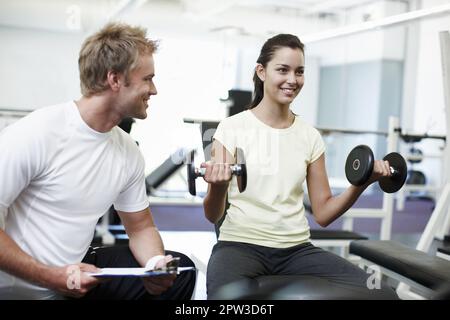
{"points": [[394, 171], [236, 170]]}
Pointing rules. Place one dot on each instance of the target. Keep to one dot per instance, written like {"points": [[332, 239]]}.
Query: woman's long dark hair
{"points": [[266, 54]]}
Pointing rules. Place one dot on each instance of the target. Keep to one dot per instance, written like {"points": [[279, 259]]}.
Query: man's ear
{"points": [[114, 80], [260, 72]]}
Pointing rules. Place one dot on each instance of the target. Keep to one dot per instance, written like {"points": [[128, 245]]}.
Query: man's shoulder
{"points": [[51, 113], [39, 122], [130, 151], [124, 139]]}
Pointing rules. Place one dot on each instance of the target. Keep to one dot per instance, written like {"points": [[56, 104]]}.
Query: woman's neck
{"points": [[278, 117]]}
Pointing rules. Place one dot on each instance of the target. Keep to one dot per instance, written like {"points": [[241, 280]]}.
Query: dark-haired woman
{"points": [[265, 230]]}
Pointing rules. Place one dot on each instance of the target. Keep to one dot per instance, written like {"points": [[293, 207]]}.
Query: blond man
{"points": [[63, 166]]}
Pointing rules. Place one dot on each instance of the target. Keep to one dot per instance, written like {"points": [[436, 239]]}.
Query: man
{"points": [[63, 166]]}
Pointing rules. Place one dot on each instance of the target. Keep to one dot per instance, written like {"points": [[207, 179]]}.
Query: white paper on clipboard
{"points": [[135, 272]]}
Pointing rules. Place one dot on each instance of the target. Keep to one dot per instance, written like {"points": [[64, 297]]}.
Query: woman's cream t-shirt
{"points": [[270, 211]]}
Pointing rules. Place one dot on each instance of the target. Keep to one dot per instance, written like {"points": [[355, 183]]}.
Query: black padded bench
{"points": [[293, 287], [335, 234], [335, 239], [444, 252], [415, 268]]}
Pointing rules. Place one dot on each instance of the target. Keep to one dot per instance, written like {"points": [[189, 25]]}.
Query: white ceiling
{"points": [[210, 18]]}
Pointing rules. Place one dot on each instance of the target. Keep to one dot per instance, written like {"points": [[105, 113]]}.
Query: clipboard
{"points": [[172, 267], [135, 272]]}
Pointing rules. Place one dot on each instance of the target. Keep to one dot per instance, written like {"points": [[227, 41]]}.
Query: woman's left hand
{"points": [[381, 169]]}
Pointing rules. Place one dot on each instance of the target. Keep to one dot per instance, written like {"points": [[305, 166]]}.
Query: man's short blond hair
{"points": [[116, 47]]}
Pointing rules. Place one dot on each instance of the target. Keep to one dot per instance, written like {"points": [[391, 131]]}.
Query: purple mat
{"points": [[412, 219]]}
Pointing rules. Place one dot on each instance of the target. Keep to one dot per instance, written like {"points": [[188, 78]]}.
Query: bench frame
{"points": [[423, 292]]}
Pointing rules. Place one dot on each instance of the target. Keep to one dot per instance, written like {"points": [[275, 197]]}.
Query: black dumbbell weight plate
{"points": [[242, 176], [191, 174], [396, 181], [359, 165]]}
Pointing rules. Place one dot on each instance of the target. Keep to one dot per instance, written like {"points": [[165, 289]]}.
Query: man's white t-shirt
{"points": [[58, 177], [270, 211]]}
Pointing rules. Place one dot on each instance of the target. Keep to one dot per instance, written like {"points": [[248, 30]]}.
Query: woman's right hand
{"points": [[71, 280], [217, 173]]}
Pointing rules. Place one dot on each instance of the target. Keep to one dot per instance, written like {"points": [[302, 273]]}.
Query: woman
{"points": [[265, 231]]}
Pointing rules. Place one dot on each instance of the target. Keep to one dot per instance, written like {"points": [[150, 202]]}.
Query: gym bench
{"points": [[415, 268]]}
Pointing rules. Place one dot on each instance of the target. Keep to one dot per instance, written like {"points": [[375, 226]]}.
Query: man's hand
{"points": [[71, 280], [159, 284]]}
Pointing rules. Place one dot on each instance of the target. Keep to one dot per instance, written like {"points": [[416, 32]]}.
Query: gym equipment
{"points": [[418, 269], [416, 177], [359, 167], [290, 287], [439, 224], [239, 170], [165, 170], [126, 124]]}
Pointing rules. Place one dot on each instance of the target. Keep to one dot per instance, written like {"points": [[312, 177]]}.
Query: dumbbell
{"points": [[239, 170], [359, 167]]}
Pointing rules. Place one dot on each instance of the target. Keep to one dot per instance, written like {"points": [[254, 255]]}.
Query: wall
{"points": [[427, 102], [38, 68]]}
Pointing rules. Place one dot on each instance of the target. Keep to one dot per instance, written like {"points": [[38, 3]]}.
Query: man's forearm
{"points": [[145, 244], [16, 262]]}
